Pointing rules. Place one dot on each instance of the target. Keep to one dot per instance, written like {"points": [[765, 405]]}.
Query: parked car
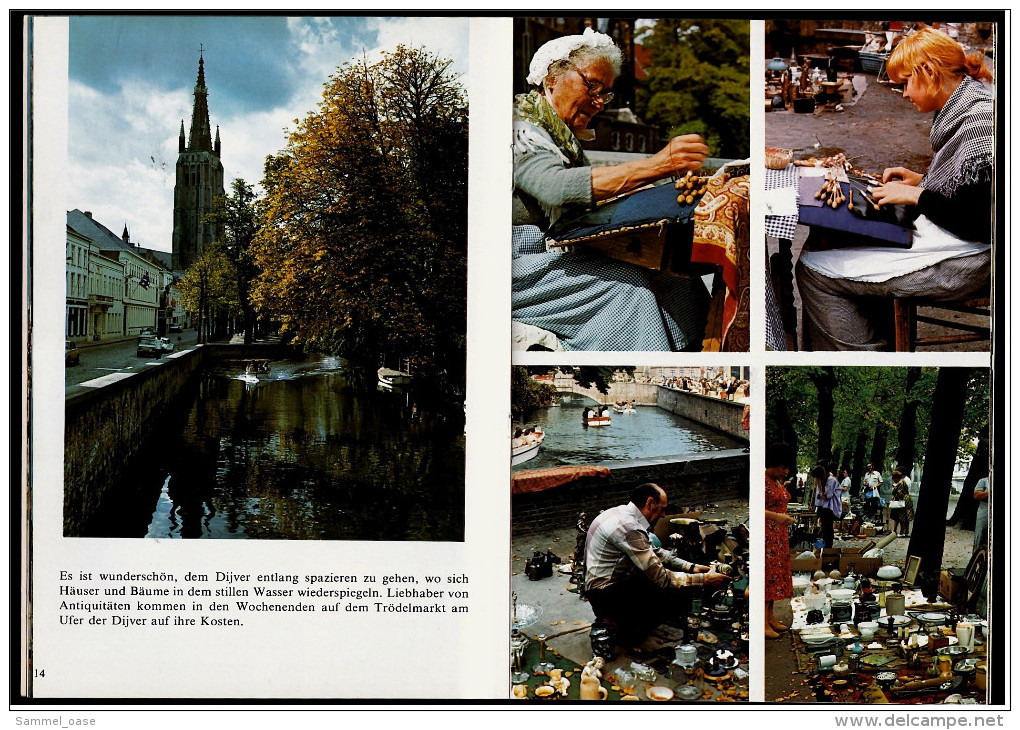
{"points": [[149, 347], [147, 333], [166, 344], [174, 327], [71, 356]]}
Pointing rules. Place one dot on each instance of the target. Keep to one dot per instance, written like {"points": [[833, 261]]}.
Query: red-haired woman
{"points": [[950, 256]]}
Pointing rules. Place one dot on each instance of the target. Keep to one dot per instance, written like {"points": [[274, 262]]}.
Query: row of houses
{"points": [[116, 288]]}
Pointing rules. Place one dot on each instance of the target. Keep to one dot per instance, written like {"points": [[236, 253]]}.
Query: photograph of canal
{"points": [[313, 449], [629, 562], [274, 347]]}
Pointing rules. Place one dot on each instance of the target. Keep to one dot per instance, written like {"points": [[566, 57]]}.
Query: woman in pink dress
{"points": [[779, 459]]}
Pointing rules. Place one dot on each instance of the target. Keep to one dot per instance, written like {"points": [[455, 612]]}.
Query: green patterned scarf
{"points": [[533, 108]]}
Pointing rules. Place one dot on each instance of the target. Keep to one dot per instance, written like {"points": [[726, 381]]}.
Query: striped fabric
{"points": [[595, 303], [774, 338], [781, 226], [618, 546], [842, 314]]}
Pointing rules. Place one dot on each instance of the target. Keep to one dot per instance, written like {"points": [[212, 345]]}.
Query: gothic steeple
{"points": [[199, 182], [200, 139]]}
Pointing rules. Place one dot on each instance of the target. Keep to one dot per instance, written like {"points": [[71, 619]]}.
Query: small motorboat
{"points": [[602, 420], [389, 378], [624, 408], [525, 446]]}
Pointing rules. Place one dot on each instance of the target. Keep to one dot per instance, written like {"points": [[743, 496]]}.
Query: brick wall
{"points": [[689, 480]]}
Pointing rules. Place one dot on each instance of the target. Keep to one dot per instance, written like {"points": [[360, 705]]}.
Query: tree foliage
{"points": [[867, 408], [363, 244], [238, 217], [528, 394], [699, 82], [208, 288]]}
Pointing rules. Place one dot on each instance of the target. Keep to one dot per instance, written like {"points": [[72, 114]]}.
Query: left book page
{"points": [[261, 470]]}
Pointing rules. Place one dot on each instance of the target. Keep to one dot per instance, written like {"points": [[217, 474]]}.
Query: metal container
{"points": [[895, 603]]}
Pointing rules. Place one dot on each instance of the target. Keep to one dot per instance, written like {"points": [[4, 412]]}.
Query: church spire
{"points": [[216, 144], [200, 139], [182, 145]]}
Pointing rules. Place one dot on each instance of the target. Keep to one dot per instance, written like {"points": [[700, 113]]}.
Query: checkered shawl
{"points": [[962, 136]]}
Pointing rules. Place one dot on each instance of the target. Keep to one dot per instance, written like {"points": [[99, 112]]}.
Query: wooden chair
{"points": [[905, 319]]}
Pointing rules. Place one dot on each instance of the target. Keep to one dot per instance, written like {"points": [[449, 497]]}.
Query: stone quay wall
{"points": [[722, 415], [105, 426], [689, 480]]}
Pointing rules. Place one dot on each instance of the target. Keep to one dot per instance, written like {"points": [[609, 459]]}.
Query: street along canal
{"points": [[313, 450]]}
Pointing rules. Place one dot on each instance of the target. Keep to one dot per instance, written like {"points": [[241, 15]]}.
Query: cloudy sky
{"points": [[132, 79]]}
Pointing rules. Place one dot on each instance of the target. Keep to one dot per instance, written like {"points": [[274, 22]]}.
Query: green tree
{"points": [[699, 82], [237, 216], [363, 247], [528, 394], [208, 288]]}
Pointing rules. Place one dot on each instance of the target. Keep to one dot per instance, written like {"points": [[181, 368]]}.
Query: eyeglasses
{"points": [[595, 89]]}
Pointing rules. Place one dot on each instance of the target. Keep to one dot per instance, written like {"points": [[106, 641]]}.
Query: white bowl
{"points": [[868, 629], [889, 572]]}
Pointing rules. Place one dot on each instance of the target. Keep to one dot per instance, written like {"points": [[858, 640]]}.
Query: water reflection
{"points": [[310, 451]]}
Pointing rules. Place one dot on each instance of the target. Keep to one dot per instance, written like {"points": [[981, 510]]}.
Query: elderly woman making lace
{"points": [[589, 302], [845, 292]]}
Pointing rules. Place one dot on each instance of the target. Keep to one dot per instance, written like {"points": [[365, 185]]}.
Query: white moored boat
{"points": [[525, 447], [389, 377]]}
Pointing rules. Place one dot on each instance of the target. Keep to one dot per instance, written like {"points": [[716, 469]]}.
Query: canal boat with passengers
{"points": [[524, 444], [592, 417]]}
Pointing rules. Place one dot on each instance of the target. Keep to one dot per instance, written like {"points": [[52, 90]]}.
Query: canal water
{"points": [[649, 432], [313, 450]]}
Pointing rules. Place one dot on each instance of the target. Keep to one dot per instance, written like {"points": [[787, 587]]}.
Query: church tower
{"points": [[199, 180]]}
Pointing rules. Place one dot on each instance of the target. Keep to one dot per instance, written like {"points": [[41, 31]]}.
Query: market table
{"points": [[884, 674], [654, 657], [790, 201]]}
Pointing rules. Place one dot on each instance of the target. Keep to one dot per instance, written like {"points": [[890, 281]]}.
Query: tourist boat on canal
{"points": [[525, 446], [388, 378], [595, 418], [624, 408]]}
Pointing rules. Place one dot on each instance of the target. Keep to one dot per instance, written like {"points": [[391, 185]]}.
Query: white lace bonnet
{"points": [[560, 48]]}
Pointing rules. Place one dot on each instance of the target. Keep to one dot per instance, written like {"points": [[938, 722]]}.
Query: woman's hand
{"points": [[896, 193], [686, 152], [901, 174]]}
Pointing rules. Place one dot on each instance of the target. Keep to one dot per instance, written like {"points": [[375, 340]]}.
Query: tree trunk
{"points": [[825, 380], [966, 508], [878, 447], [858, 472], [846, 461], [786, 433], [908, 425], [928, 543]]}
